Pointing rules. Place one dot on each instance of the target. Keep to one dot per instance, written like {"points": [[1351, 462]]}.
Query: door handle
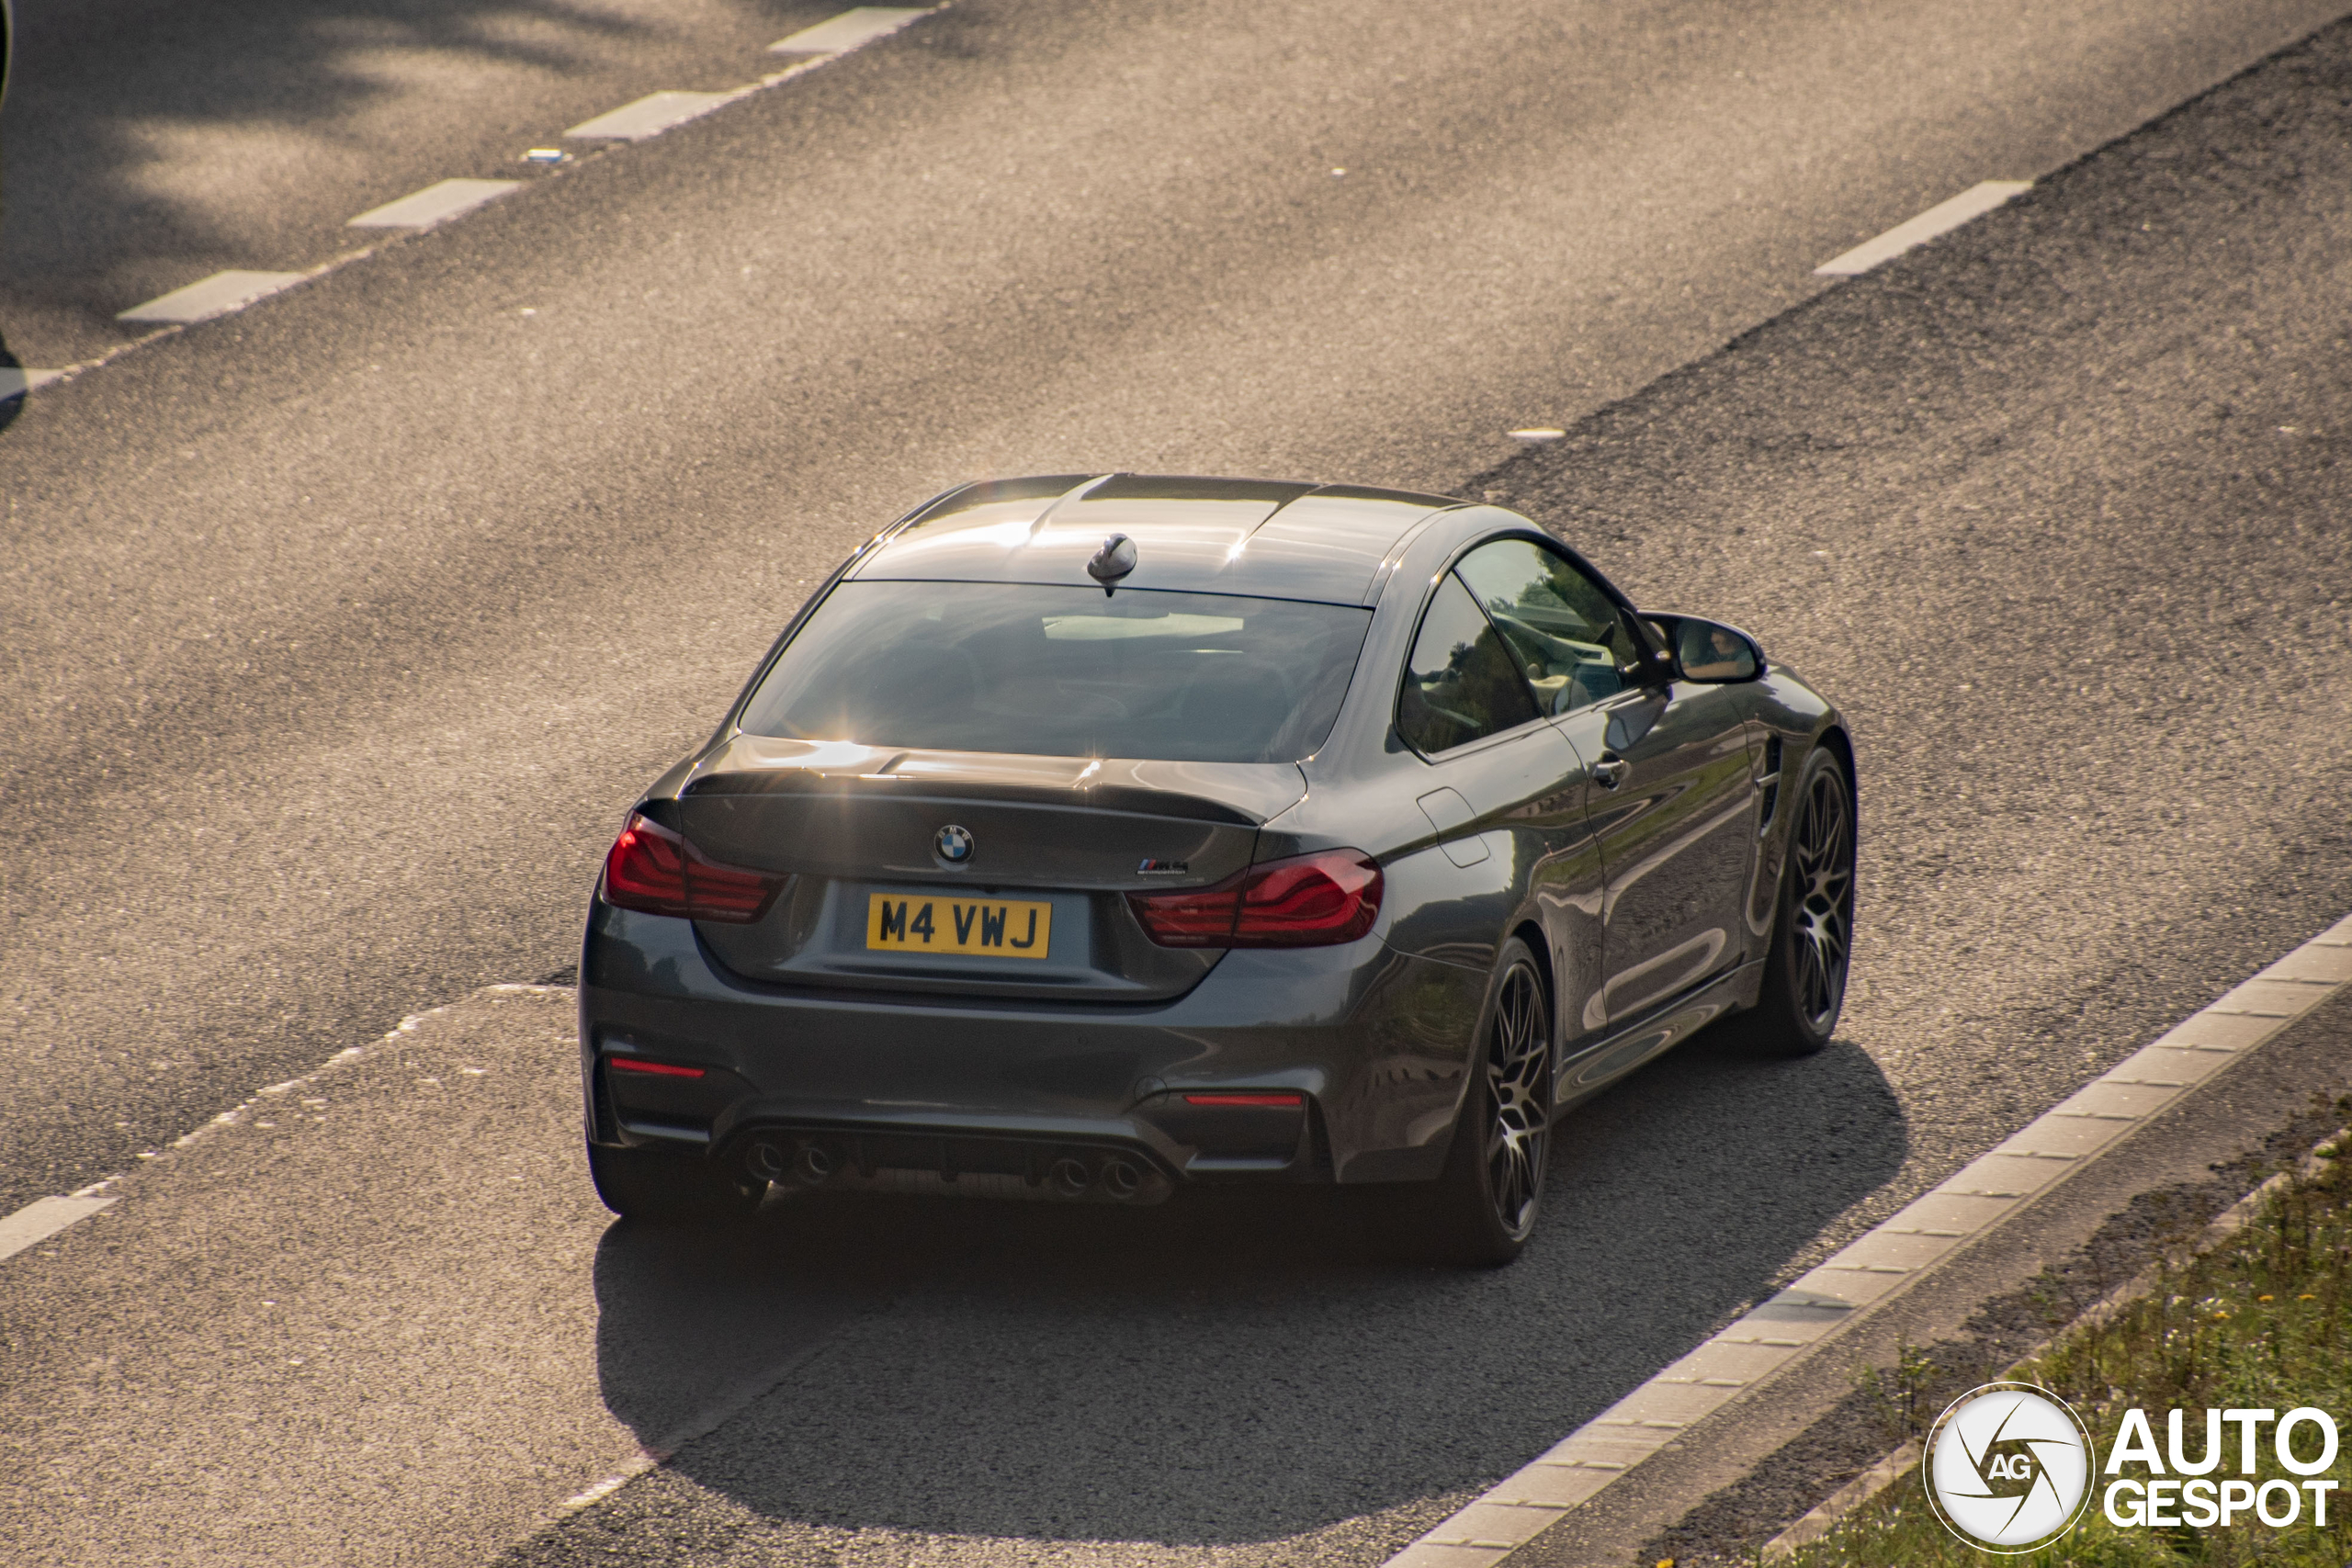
{"points": [[1610, 772]]}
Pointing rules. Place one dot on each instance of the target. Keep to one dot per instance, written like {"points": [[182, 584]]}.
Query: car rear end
{"points": [[967, 897]]}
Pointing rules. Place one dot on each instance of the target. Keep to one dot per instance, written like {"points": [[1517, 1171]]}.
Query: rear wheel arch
{"points": [[1538, 947], [1836, 740], [1804, 984], [1484, 1203], [1528, 934]]}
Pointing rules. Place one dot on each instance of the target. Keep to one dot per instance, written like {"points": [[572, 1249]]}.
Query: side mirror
{"points": [[1709, 654]]}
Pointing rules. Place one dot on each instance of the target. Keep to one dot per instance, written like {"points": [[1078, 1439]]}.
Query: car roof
{"points": [[1265, 538]]}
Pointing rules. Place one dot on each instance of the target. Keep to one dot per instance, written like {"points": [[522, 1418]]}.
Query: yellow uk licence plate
{"points": [[994, 928]]}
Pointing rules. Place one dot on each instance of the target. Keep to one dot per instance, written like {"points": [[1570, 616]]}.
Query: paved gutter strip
{"points": [[1941, 218], [1843, 1501], [1881, 1264]]}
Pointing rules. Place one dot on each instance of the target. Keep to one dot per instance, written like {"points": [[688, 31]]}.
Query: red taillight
{"points": [[646, 869], [653, 1069], [1286, 1099], [1200, 918], [1315, 900], [652, 869], [729, 893]]}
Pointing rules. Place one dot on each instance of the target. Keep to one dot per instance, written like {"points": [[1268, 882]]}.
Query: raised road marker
{"points": [[851, 30], [210, 297], [434, 204], [1941, 219], [649, 116], [1886, 1260]]}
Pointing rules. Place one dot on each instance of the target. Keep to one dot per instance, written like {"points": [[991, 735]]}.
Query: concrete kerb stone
{"points": [[1886, 1471], [1877, 1267]]}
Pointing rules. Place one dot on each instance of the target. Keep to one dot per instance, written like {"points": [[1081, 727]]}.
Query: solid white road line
{"points": [[1888, 1259], [214, 295], [434, 204], [649, 116], [43, 1218], [851, 30], [16, 380], [1941, 219]]}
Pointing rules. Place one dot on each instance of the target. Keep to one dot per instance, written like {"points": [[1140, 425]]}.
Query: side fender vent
{"points": [[1771, 783]]}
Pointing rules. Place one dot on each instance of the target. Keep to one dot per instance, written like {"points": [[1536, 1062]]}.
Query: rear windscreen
{"points": [[1059, 671]]}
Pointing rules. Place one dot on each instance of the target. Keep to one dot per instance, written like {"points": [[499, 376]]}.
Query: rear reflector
{"points": [[1289, 1100], [653, 870], [1316, 900], [652, 1069]]}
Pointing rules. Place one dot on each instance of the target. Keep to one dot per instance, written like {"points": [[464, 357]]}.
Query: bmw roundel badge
{"points": [[952, 844]]}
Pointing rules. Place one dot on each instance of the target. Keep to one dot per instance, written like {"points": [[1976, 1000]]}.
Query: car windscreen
{"points": [[1063, 671]]}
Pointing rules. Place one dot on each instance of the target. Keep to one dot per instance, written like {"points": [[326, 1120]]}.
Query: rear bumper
{"points": [[1373, 1043]]}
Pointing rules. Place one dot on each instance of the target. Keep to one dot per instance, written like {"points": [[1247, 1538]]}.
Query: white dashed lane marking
{"points": [[1941, 219], [214, 295], [226, 292], [1886, 1260], [434, 204], [851, 30], [16, 380], [649, 116], [43, 1218]]}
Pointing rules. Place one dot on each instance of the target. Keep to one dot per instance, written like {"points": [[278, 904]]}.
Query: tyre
{"points": [[668, 1189], [1483, 1208], [1804, 972]]}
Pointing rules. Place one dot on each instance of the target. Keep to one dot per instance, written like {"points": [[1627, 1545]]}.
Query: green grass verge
{"points": [[2263, 1320]]}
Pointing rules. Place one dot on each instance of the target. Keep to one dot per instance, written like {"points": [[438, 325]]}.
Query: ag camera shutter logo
{"points": [[2009, 1467]]}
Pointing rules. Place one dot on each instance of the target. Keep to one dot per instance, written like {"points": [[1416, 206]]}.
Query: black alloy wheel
{"points": [[1483, 1208], [1519, 1099], [1805, 980]]}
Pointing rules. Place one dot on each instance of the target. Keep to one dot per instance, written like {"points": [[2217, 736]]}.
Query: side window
{"points": [[1459, 683], [1565, 632]]}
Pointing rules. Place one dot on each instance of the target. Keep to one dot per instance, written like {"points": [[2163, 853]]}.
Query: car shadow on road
{"points": [[1238, 1369]]}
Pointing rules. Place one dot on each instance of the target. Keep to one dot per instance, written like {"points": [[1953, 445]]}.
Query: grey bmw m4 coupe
{"points": [[1092, 838]]}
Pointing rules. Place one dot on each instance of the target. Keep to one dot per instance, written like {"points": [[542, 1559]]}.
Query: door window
{"points": [[1565, 632], [1459, 683]]}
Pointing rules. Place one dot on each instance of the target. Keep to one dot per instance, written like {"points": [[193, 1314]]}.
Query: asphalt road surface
{"points": [[340, 632]]}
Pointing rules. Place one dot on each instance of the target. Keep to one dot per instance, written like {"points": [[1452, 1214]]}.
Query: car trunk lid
{"points": [[1059, 840]]}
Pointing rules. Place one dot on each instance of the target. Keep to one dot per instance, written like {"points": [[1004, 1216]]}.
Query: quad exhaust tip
{"points": [[1070, 1177], [767, 1160], [815, 1165], [809, 1163]]}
